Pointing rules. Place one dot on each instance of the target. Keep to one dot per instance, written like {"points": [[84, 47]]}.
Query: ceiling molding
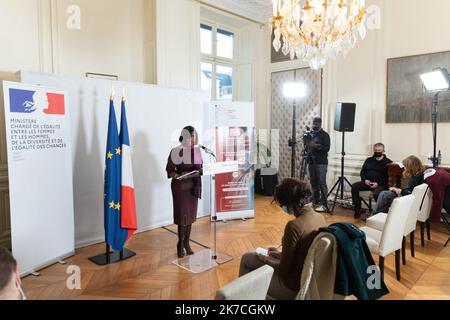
{"points": [[259, 10]]}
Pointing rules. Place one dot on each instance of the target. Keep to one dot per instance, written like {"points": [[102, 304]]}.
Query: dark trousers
{"points": [[318, 178], [361, 186], [277, 289], [384, 201], [447, 200]]}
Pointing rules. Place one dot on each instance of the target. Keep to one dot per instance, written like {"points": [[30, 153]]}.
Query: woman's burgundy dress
{"points": [[185, 193]]}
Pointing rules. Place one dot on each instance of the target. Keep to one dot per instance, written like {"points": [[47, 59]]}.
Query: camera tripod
{"points": [[304, 166], [342, 181]]}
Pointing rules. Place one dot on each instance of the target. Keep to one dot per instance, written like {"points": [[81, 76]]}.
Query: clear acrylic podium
{"points": [[209, 258]]}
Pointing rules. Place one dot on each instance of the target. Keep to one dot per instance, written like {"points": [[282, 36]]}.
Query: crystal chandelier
{"points": [[317, 30]]}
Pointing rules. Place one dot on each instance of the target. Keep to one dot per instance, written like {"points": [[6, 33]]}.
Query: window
{"points": [[206, 38], [225, 44], [224, 83], [217, 68], [206, 76]]}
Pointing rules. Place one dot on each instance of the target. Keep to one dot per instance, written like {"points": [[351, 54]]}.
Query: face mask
{"points": [[316, 129], [378, 154]]}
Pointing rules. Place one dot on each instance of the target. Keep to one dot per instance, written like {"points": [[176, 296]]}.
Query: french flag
{"points": [[128, 202]]}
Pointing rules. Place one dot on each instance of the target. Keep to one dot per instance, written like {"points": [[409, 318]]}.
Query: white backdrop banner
{"points": [[156, 116], [40, 175]]}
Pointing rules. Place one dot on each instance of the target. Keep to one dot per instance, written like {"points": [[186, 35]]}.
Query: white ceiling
{"points": [[259, 10]]}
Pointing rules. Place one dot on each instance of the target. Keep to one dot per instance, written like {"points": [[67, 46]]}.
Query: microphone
{"points": [[206, 150]]}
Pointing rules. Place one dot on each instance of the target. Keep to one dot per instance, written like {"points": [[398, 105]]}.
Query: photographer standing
{"points": [[318, 147]]}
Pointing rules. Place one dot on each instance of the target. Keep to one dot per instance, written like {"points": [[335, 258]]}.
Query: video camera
{"points": [[308, 135]]}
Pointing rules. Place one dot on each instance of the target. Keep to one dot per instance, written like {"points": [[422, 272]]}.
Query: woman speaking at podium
{"points": [[184, 168]]}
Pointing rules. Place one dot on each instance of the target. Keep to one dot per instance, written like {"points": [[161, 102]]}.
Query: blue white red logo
{"points": [[27, 101]]}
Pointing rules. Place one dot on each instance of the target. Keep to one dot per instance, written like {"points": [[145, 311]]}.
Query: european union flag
{"points": [[115, 235]]}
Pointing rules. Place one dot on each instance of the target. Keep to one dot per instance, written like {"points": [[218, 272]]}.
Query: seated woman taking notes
{"points": [[294, 197]]}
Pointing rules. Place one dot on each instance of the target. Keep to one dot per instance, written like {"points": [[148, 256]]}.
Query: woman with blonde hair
{"points": [[414, 170]]}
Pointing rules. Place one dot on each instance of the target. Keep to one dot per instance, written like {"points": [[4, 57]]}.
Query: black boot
{"points": [[181, 237], [187, 240]]}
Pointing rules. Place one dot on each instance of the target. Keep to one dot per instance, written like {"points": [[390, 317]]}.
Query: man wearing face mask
{"points": [[374, 177], [318, 148], [10, 288]]}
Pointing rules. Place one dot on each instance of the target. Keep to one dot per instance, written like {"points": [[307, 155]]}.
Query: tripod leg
{"points": [[332, 189], [342, 188], [325, 197], [303, 169], [348, 182], [336, 196]]}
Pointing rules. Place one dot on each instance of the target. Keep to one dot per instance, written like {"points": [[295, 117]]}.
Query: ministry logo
{"points": [[27, 101]]}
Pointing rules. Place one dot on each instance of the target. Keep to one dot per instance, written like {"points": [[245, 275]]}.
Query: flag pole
{"points": [[111, 256], [108, 247], [111, 93], [123, 100]]}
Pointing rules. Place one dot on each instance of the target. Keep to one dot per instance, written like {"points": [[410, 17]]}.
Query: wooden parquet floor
{"points": [[151, 274]]}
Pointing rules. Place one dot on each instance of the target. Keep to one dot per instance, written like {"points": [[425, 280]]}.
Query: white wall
{"points": [[408, 27], [355, 78], [151, 41], [153, 130], [252, 61], [178, 54], [20, 48], [112, 38], [116, 37], [413, 28], [253, 71], [178, 43]]}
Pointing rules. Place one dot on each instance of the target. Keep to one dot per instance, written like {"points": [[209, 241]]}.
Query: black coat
{"points": [[415, 181], [376, 171], [354, 259], [319, 154]]}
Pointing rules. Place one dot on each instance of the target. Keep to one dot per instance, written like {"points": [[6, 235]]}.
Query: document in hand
{"points": [[189, 175], [262, 251]]}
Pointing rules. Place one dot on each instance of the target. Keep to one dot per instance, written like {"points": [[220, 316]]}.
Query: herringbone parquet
{"points": [[151, 274]]}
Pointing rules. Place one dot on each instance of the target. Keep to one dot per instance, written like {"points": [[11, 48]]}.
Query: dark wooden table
{"points": [[396, 175]]}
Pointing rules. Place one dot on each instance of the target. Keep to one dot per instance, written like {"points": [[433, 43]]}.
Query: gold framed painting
{"points": [[103, 76], [406, 101]]}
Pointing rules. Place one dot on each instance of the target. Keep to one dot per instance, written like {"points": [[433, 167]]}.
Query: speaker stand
{"points": [[342, 181]]}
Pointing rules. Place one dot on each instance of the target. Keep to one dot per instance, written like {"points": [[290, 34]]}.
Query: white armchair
{"points": [[252, 286], [390, 239], [378, 221], [319, 271]]}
